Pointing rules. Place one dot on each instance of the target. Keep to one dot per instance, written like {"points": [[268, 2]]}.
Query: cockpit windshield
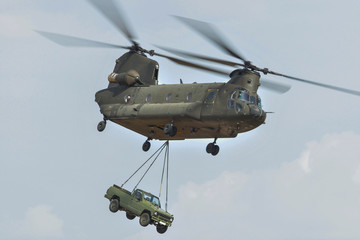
{"points": [[240, 96], [243, 96], [151, 198], [259, 102]]}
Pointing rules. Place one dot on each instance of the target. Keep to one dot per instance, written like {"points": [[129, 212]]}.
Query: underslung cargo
{"points": [[139, 204]]}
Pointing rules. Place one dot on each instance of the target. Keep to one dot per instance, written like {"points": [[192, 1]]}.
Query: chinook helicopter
{"points": [[135, 100]]}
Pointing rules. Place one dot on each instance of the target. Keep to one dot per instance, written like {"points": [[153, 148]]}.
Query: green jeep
{"points": [[141, 204]]}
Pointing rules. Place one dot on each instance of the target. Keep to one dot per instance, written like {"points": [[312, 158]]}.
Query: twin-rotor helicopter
{"points": [[135, 100]]}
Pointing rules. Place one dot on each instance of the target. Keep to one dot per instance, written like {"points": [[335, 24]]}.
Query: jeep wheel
{"points": [[130, 216], [161, 228], [144, 219], [114, 205]]}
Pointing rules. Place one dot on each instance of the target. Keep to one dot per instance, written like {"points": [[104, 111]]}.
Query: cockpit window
{"points": [[243, 96], [233, 95], [239, 96], [252, 99], [259, 102], [238, 107]]}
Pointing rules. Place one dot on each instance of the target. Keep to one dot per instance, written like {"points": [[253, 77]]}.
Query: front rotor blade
{"points": [[210, 33], [210, 59], [113, 13], [70, 41], [340, 89], [275, 87], [193, 65]]}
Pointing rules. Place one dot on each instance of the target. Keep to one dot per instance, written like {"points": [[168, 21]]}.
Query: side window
{"points": [[211, 96], [156, 72], [188, 97], [147, 197], [168, 97], [230, 104], [138, 195], [252, 99]]}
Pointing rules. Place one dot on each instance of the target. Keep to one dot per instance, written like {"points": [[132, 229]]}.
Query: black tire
{"points": [[146, 146], [167, 129], [215, 150], [144, 219], [130, 216], [101, 126], [210, 147], [114, 205], [161, 228], [173, 131]]}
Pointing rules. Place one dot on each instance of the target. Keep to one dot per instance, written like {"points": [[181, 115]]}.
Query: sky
{"points": [[296, 177]]}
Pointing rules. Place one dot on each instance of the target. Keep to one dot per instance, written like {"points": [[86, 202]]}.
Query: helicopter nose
{"points": [[257, 112]]}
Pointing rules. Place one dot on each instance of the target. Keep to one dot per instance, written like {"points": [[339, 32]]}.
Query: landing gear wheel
{"points": [[212, 149], [130, 216], [144, 219], [215, 150], [170, 130], [146, 146], [209, 147], [114, 205], [101, 126], [161, 228], [173, 131]]}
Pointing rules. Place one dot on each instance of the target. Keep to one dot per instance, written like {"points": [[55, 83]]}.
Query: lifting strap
{"points": [[166, 162], [157, 153]]}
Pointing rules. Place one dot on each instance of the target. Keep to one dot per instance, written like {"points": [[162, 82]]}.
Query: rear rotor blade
{"points": [[198, 56], [267, 84], [211, 34], [193, 65], [114, 14], [70, 41]]}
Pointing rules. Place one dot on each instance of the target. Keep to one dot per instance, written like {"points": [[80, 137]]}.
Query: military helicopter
{"points": [[135, 100]]}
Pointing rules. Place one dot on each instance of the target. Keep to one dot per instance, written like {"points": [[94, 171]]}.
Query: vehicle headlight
{"points": [[171, 219], [155, 213]]}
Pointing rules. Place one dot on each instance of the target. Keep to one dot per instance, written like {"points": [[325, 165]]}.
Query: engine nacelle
{"points": [[127, 78]]}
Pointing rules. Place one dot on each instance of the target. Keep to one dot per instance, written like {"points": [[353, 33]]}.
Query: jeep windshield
{"points": [[151, 198]]}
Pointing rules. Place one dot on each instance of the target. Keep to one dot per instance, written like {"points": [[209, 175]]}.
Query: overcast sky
{"points": [[296, 177]]}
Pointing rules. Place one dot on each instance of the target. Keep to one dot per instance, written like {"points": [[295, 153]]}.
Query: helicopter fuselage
{"points": [[211, 110]]}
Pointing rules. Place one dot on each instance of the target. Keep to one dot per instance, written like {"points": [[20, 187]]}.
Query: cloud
{"points": [[37, 223], [316, 196], [40, 221]]}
